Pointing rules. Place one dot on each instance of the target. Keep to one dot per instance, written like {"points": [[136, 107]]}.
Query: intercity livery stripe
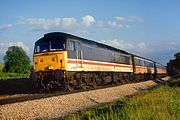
{"points": [[142, 67], [88, 62]]}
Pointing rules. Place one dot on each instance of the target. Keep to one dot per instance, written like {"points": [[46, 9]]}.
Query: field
{"points": [[5, 76], [162, 103], [1, 67]]}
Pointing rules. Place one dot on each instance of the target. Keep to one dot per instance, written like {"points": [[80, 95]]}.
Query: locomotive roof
{"points": [[65, 35]]}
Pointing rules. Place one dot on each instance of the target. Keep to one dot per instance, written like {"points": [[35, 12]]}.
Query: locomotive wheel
{"points": [[81, 81], [42, 85], [93, 82], [98, 79], [69, 85], [49, 87]]}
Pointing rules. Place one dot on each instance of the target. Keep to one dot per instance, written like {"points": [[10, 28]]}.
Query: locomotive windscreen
{"points": [[49, 45]]}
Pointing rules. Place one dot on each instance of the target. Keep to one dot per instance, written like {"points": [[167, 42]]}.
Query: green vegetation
{"points": [[17, 64], [173, 66], [162, 103], [1, 67], [16, 61], [6, 76]]}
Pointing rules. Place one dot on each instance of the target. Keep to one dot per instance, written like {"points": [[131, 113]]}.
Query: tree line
{"points": [[173, 66]]}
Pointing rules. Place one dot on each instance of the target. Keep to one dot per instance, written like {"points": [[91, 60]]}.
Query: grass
{"points": [[6, 76], [162, 103]]}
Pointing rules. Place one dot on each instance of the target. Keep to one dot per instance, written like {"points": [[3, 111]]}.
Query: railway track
{"points": [[8, 99], [25, 97], [61, 105]]}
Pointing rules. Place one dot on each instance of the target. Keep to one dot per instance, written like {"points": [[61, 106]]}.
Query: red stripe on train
{"points": [[96, 63], [140, 67]]}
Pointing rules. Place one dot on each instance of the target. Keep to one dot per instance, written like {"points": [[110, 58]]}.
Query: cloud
{"points": [[75, 25], [128, 26], [124, 21], [120, 18], [68, 22], [47, 24], [114, 24], [6, 27], [129, 18], [158, 52], [88, 20], [142, 46], [43, 24], [82, 31], [137, 48], [120, 44], [4, 46]]}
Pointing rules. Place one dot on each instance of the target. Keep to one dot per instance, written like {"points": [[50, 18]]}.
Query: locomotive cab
{"points": [[50, 60]]}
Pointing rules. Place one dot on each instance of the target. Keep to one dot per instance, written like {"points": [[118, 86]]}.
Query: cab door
{"points": [[79, 56]]}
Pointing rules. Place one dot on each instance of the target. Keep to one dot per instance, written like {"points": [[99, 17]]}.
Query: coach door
{"points": [[79, 58]]}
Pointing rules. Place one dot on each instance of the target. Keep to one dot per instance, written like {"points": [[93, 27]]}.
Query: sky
{"points": [[149, 28]]}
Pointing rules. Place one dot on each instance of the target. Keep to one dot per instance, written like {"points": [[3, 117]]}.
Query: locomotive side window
{"points": [[50, 44], [71, 45], [37, 49], [137, 61], [42, 47], [57, 44], [120, 58]]}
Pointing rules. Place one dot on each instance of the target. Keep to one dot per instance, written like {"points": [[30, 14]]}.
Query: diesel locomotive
{"points": [[69, 62]]}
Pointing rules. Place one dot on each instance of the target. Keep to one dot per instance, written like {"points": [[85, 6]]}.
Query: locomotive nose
{"points": [[50, 61]]}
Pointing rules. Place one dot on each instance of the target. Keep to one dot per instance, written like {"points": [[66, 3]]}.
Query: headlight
{"points": [[50, 67]]}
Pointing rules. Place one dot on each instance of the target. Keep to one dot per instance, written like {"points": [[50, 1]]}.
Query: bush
{"points": [[16, 61]]}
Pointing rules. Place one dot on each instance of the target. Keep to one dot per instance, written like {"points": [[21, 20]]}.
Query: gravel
{"points": [[58, 106]]}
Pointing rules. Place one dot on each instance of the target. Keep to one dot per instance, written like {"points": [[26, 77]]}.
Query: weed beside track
{"points": [[162, 103]]}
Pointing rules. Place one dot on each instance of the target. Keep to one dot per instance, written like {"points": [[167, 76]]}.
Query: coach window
{"points": [[141, 63], [137, 61], [71, 45], [151, 64], [145, 63], [148, 64]]}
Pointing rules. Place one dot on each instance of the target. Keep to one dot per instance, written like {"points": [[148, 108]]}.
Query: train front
{"points": [[50, 61]]}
